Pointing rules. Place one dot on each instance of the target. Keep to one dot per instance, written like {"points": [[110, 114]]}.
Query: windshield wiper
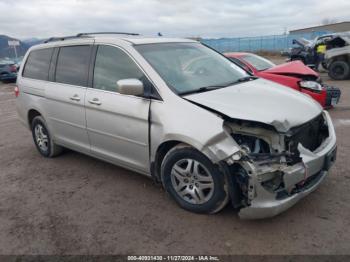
{"points": [[200, 90], [246, 78], [240, 80], [209, 88]]}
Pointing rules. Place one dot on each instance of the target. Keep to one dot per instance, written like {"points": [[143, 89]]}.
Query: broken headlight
{"points": [[258, 149], [251, 144], [311, 85]]}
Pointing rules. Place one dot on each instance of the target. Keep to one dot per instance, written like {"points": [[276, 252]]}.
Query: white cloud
{"points": [[206, 18]]}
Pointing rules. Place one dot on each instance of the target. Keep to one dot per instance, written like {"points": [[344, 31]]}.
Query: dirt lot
{"points": [[75, 204]]}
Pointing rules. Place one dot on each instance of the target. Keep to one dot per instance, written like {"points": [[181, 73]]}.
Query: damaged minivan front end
{"points": [[278, 169], [283, 154]]}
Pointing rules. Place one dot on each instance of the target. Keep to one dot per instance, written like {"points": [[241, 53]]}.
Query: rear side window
{"points": [[111, 65], [38, 63], [72, 65]]}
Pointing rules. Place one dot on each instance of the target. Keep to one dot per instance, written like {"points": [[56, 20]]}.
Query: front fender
{"points": [[217, 148], [182, 121]]}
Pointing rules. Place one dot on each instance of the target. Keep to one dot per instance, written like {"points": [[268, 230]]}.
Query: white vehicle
{"points": [[180, 112], [338, 57]]}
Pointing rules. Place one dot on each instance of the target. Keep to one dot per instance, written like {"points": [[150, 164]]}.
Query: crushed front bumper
{"points": [[299, 180]]}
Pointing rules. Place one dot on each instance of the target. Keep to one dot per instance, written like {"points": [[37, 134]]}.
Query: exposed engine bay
{"points": [[270, 154]]}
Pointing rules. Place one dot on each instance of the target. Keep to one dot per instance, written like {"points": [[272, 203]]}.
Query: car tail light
{"points": [[13, 69], [16, 89]]}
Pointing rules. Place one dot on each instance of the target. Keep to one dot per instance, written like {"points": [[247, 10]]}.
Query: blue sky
{"points": [[206, 18]]}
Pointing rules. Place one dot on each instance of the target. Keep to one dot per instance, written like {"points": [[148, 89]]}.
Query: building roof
{"points": [[335, 27]]}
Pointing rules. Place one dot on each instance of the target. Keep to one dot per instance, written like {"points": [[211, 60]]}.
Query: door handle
{"points": [[95, 101], [75, 98]]}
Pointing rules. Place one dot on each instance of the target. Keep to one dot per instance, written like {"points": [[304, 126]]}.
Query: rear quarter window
{"points": [[38, 63]]}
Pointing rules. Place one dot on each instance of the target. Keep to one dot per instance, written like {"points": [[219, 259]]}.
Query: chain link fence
{"points": [[272, 43]]}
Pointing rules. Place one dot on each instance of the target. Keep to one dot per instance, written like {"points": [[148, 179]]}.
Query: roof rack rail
{"points": [[62, 38], [105, 33]]}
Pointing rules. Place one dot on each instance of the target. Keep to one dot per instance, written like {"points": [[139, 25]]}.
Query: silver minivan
{"points": [[181, 113]]}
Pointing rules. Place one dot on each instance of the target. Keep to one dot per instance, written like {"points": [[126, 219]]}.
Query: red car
{"points": [[293, 74]]}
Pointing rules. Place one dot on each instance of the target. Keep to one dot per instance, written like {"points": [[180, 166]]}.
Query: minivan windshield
{"points": [[191, 67]]}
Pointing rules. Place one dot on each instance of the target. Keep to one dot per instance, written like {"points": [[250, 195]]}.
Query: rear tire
{"points": [[42, 138], [339, 70], [193, 181]]}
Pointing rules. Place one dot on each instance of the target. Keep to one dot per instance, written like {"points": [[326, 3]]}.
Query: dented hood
{"points": [[292, 68], [260, 101]]}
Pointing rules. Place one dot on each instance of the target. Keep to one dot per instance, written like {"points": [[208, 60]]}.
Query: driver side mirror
{"points": [[130, 86]]}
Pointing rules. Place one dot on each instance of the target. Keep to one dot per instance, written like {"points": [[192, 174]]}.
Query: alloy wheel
{"points": [[192, 181], [41, 137]]}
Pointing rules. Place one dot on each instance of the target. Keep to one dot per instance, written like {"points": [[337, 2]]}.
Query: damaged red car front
{"points": [[293, 74]]}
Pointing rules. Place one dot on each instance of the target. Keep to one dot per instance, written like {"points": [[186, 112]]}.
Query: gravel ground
{"points": [[75, 204]]}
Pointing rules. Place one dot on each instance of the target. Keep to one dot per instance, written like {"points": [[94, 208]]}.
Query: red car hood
{"points": [[292, 68]]}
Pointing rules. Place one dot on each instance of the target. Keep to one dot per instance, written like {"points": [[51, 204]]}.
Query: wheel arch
{"points": [[32, 113], [160, 153], [217, 148], [343, 57]]}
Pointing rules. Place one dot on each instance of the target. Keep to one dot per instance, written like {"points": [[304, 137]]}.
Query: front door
{"points": [[117, 124]]}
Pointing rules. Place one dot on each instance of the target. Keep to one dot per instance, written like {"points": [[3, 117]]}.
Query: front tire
{"points": [[339, 70], [193, 181], [42, 138]]}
